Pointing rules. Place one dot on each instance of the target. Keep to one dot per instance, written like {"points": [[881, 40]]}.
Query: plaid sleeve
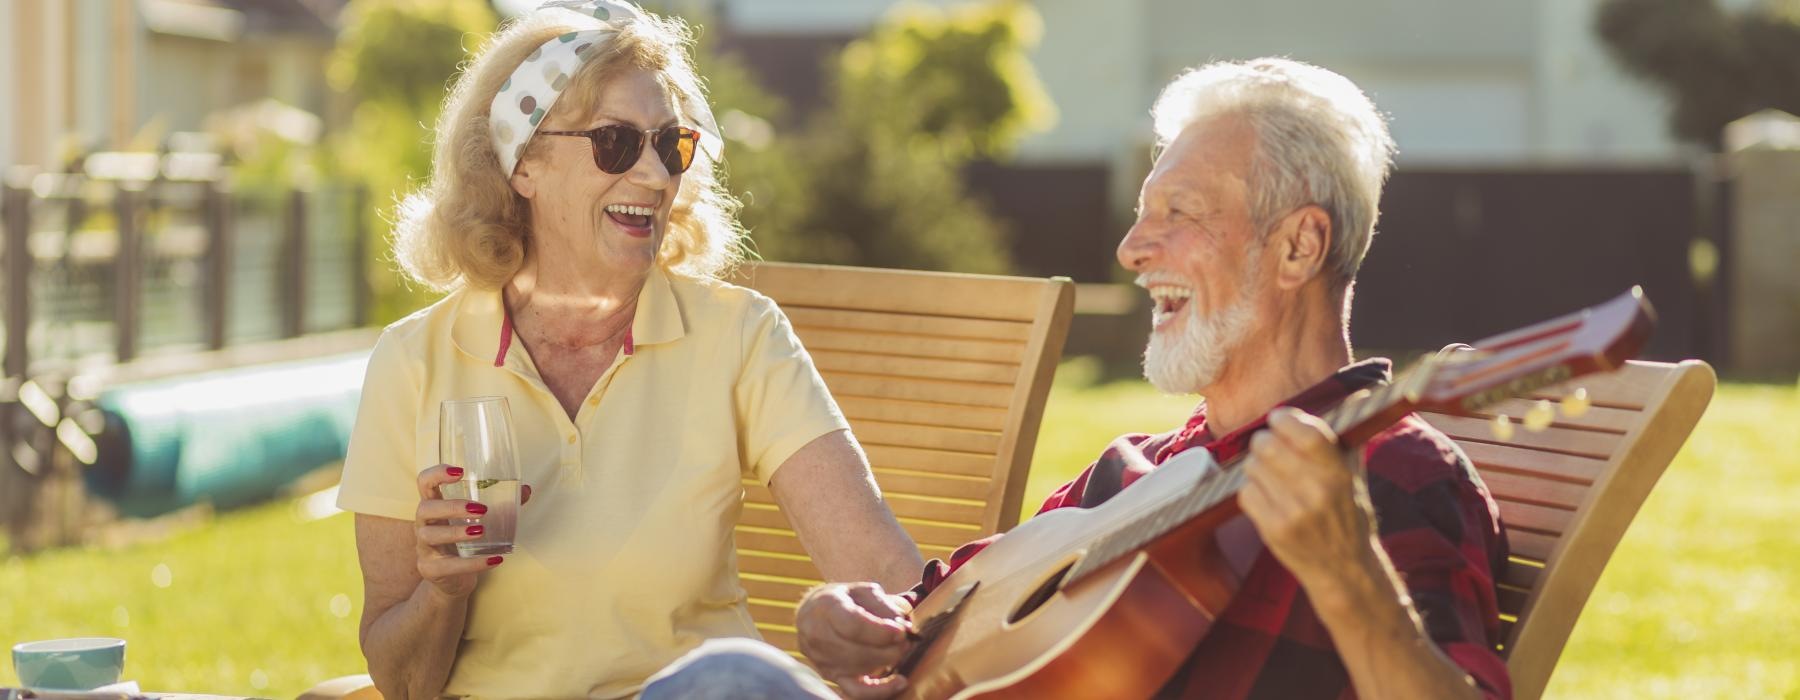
{"points": [[1441, 531]]}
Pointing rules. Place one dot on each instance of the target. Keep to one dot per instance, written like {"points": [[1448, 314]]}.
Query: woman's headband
{"points": [[532, 89]]}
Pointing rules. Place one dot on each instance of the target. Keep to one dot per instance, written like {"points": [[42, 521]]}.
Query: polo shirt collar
{"points": [[483, 328]]}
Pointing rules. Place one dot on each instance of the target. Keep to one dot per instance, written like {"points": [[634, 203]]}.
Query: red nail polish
{"points": [[476, 530], [477, 508], [454, 471], [495, 560]]}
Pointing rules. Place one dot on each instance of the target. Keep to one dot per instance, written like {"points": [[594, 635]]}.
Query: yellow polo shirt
{"points": [[624, 557]]}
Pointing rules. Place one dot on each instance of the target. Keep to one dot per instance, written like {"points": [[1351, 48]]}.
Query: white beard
{"points": [[1186, 362]]}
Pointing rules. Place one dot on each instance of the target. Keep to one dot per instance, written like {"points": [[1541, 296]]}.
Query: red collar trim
{"points": [[506, 338], [506, 335]]}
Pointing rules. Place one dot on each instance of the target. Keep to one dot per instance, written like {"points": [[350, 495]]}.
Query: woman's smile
{"points": [[635, 220]]}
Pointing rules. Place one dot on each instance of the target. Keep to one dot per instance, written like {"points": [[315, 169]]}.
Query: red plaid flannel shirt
{"points": [[1436, 520]]}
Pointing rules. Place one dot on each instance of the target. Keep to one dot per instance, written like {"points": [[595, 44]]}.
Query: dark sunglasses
{"points": [[617, 146]]}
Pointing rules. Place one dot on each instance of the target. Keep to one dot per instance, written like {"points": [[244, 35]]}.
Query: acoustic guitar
{"points": [[1117, 596]]}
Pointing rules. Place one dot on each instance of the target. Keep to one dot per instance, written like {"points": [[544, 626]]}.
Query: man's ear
{"points": [[1303, 240]]}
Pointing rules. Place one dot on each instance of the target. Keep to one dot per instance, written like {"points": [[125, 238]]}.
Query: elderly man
{"points": [[1250, 231]]}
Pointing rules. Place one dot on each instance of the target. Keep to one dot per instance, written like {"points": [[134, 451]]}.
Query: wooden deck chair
{"points": [[1567, 494], [944, 378]]}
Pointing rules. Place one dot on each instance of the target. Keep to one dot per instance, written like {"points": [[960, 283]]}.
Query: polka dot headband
{"points": [[531, 91]]}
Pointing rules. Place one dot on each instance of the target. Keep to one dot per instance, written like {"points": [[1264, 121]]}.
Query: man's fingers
{"points": [[524, 494], [1304, 431]]}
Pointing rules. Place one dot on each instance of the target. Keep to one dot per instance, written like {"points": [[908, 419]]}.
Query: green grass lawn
{"points": [[1696, 603]]}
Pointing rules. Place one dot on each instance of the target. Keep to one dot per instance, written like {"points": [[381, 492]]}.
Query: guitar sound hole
{"points": [[1040, 596]]}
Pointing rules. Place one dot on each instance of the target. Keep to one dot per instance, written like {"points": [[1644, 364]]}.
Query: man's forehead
{"points": [[1209, 147]]}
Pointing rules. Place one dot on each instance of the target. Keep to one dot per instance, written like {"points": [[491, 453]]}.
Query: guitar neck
{"points": [[1356, 419]]}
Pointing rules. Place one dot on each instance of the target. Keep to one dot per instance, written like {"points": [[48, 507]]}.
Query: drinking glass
{"points": [[477, 435]]}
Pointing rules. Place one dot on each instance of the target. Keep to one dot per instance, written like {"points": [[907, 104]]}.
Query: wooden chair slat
{"points": [[785, 542], [1530, 545], [781, 637], [923, 413], [1506, 486], [922, 532], [985, 395], [925, 438], [960, 370], [910, 345], [1535, 463], [936, 461], [1535, 517], [899, 291], [774, 589], [1519, 575], [776, 616], [1511, 600], [778, 542], [910, 324], [750, 560], [904, 505], [898, 482], [1586, 443], [907, 505]]}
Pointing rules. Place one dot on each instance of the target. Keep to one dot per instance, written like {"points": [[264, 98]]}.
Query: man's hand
{"points": [[852, 631], [1308, 500]]}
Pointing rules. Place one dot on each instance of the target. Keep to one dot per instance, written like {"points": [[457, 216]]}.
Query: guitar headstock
{"points": [[1595, 339]]}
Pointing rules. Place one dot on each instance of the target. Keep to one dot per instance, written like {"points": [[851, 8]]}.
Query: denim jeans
{"points": [[736, 669]]}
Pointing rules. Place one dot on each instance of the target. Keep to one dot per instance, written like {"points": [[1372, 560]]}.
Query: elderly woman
{"points": [[576, 218]]}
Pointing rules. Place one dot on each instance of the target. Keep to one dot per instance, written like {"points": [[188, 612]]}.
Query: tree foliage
{"points": [[873, 179], [876, 178], [1715, 66], [396, 58]]}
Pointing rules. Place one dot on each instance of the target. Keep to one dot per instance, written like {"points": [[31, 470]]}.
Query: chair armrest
{"points": [[357, 687]]}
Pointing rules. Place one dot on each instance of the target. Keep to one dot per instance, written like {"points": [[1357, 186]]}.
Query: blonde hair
{"points": [[1319, 140], [467, 226]]}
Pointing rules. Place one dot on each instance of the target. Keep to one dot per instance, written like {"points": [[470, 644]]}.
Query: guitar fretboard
{"points": [[1355, 418]]}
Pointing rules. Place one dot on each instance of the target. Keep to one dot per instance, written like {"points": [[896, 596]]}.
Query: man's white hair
{"points": [[1319, 140]]}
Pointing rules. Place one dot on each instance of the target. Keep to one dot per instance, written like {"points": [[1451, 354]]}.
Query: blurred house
{"points": [[121, 74], [1465, 83], [1525, 153]]}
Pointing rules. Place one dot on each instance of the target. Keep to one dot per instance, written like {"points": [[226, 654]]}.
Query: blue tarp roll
{"points": [[230, 437]]}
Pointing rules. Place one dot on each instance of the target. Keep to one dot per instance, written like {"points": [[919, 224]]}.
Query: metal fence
{"points": [[110, 268]]}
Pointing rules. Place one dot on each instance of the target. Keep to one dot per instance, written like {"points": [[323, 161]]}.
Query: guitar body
{"points": [[1126, 627]]}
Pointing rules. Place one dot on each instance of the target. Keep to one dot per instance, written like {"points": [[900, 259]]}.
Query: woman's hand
{"points": [[449, 574], [853, 631]]}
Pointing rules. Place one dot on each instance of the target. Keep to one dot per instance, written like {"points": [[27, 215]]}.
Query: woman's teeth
{"points": [[629, 210]]}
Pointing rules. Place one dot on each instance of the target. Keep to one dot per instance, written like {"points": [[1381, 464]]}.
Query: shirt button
{"points": [[571, 438], [595, 401]]}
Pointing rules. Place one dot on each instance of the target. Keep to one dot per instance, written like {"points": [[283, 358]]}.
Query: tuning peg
{"points": [[1502, 427], [1539, 417], [1575, 404]]}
